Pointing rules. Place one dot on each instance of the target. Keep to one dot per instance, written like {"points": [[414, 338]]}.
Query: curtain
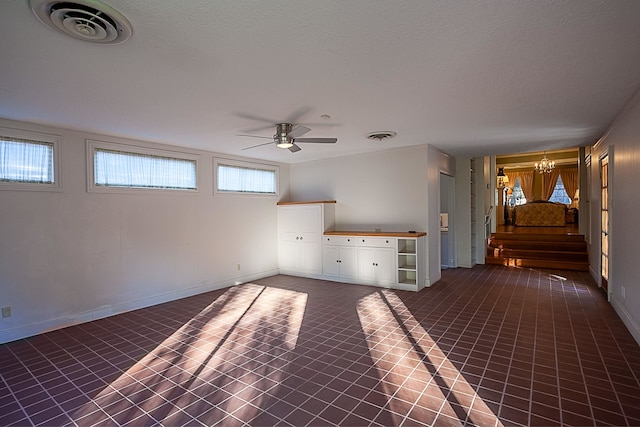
{"points": [[121, 169], [512, 178], [570, 180], [26, 161], [526, 183], [246, 180], [549, 183]]}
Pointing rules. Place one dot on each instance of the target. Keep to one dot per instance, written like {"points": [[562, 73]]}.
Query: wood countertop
{"points": [[375, 234], [306, 203]]}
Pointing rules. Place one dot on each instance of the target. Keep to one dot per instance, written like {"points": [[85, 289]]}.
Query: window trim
{"points": [[220, 161], [92, 145], [47, 138]]}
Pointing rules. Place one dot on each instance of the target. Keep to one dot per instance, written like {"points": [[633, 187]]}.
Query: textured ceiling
{"points": [[473, 77]]}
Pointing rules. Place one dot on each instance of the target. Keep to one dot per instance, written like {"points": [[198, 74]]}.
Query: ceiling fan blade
{"points": [[294, 116], [318, 140], [257, 129], [298, 131], [252, 117], [254, 136], [294, 148], [254, 146]]}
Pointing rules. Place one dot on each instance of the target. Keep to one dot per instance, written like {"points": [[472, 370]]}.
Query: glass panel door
{"points": [[604, 221]]}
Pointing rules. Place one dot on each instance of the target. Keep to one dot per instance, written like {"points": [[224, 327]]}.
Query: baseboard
{"points": [[631, 325], [35, 328], [595, 275]]}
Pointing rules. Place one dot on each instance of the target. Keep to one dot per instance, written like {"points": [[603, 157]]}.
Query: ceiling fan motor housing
{"points": [[281, 138]]}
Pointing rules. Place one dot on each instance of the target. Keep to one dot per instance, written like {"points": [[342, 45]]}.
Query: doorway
{"points": [[447, 222]]}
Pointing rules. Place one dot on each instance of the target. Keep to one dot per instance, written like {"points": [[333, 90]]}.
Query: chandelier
{"points": [[545, 165]]}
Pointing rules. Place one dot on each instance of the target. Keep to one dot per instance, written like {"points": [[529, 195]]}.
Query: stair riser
{"points": [[557, 246], [549, 255], [532, 263], [539, 237]]}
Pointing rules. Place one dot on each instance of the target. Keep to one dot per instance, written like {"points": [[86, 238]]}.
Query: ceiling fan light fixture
{"points": [[284, 144]]}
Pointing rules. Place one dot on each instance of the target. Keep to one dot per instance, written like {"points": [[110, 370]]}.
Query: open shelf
{"points": [[406, 261], [406, 246], [407, 277]]}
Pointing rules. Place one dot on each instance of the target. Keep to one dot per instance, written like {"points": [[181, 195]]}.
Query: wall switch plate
{"points": [[622, 291], [6, 312], [238, 267]]}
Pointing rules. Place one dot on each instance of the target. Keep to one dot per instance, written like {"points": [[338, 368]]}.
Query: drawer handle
{"points": [[362, 240], [387, 241]]}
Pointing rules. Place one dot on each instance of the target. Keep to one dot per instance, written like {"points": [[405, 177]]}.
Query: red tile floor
{"points": [[484, 346]]}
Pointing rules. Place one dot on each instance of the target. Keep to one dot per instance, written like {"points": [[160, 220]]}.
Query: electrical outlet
{"points": [[6, 311], [238, 267]]}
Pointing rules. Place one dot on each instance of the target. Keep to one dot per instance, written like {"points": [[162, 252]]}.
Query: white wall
{"points": [[72, 256], [623, 143], [394, 190], [463, 218], [378, 190]]}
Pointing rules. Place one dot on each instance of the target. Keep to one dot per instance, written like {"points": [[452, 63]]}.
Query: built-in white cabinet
{"points": [[391, 260], [308, 246], [300, 230], [339, 258]]}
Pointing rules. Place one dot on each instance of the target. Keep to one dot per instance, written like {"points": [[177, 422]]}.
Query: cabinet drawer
{"points": [[339, 240], [376, 242]]}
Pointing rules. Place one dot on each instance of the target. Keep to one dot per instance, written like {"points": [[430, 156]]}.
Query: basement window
{"points": [[29, 161], [235, 177], [115, 168]]}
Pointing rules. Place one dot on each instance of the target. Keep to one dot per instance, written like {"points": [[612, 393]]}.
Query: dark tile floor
{"points": [[485, 346]]}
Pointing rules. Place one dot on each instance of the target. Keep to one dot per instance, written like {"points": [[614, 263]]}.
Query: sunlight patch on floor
{"points": [[416, 375], [229, 354]]}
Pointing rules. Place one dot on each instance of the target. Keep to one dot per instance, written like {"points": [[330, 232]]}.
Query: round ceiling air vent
{"points": [[87, 20], [380, 136]]}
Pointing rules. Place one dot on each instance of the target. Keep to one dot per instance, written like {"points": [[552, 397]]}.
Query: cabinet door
{"points": [[331, 261], [386, 274], [376, 265], [311, 261], [300, 219], [289, 256], [347, 262], [367, 265]]}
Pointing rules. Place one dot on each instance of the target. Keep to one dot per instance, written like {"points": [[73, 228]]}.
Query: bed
{"points": [[541, 213]]}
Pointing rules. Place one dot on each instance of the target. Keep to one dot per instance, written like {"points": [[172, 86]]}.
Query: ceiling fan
{"points": [[287, 136]]}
